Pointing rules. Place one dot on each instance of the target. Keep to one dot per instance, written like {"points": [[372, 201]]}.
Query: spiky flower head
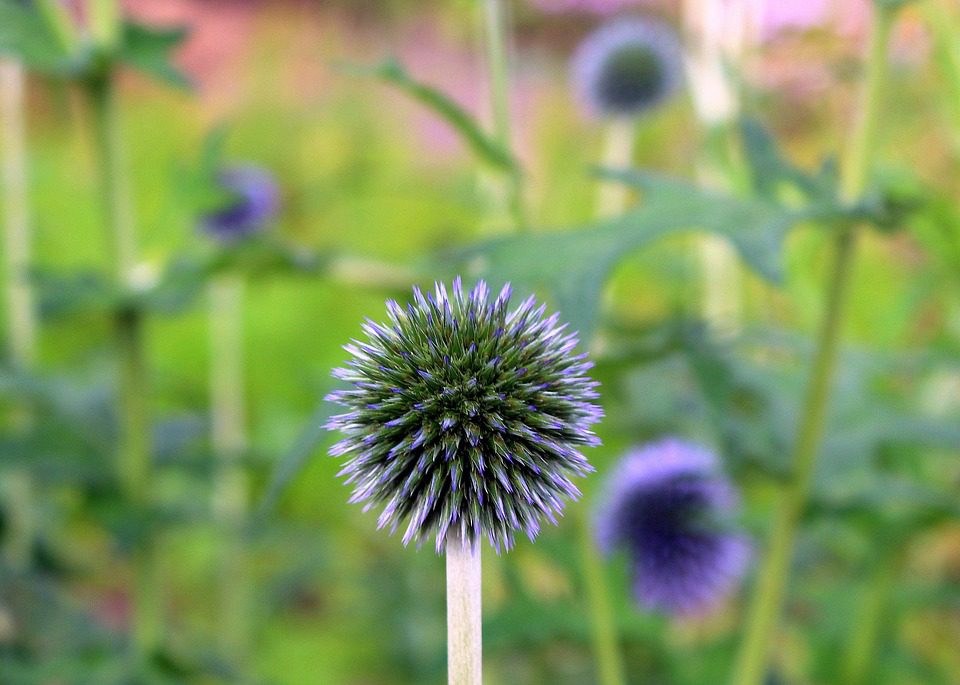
{"points": [[254, 199], [669, 506], [626, 67], [464, 416]]}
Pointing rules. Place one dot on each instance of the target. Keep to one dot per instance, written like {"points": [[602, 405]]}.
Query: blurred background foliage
{"points": [[369, 175]]}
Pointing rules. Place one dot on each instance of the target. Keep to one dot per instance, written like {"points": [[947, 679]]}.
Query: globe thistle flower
{"points": [[627, 67], [255, 199], [464, 416], [666, 504]]}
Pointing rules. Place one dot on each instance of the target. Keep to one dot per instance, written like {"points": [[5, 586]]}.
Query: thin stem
{"points": [[496, 33], [464, 613], [865, 635], [718, 34], [134, 458], [20, 311], [58, 18], [766, 605], [602, 627], [114, 192], [104, 16], [22, 326], [944, 26], [230, 494], [619, 140]]}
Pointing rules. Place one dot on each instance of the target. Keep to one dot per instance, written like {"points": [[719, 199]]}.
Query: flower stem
{"points": [[20, 311], [766, 604], [619, 140], [495, 30], [57, 18], [869, 621], [104, 16], [944, 27], [603, 629], [134, 459], [230, 494], [464, 615]]}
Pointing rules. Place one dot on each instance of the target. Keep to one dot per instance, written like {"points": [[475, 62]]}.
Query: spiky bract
{"points": [[254, 200], [464, 416], [627, 67], [669, 507]]}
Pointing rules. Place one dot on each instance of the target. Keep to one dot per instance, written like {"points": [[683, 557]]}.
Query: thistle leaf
{"points": [[149, 49], [573, 265], [483, 145]]}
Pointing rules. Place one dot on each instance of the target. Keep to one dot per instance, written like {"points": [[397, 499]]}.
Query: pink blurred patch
{"points": [[598, 7], [457, 70], [220, 35], [785, 16]]}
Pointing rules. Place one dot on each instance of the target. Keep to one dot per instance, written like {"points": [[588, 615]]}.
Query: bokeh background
{"points": [[367, 173]]}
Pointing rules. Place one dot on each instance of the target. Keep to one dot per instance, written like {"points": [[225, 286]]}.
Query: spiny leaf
{"points": [[488, 149], [573, 265], [25, 36], [148, 50]]}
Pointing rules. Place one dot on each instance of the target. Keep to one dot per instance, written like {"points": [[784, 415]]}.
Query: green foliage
{"points": [[485, 146], [149, 51], [573, 265], [24, 35]]}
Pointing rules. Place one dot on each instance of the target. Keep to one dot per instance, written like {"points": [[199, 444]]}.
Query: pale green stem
{"points": [[58, 18], [619, 140], [718, 167], [867, 626], [21, 324], [105, 21], [230, 492], [464, 613], [944, 26], [496, 35], [602, 626], [134, 458], [766, 603]]}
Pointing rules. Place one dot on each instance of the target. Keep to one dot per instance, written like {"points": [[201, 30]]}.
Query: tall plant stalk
{"points": [[134, 458], [464, 612], [498, 64], [20, 311], [766, 604], [868, 622], [944, 26], [717, 31], [603, 630], [619, 140], [230, 494]]}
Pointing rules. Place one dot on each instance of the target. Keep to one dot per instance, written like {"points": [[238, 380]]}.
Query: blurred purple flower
{"points": [[627, 67], [255, 198], [668, 506]]}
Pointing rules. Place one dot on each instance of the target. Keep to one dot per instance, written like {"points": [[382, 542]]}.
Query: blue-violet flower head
{"points": [[670, 508], [254, 201], [627, 67], [464, 416]]}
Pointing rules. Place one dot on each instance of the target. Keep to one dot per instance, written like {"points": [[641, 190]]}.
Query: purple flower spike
{"points": [[669, 507], [255, 201], [627, 67], [481, 440]]}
